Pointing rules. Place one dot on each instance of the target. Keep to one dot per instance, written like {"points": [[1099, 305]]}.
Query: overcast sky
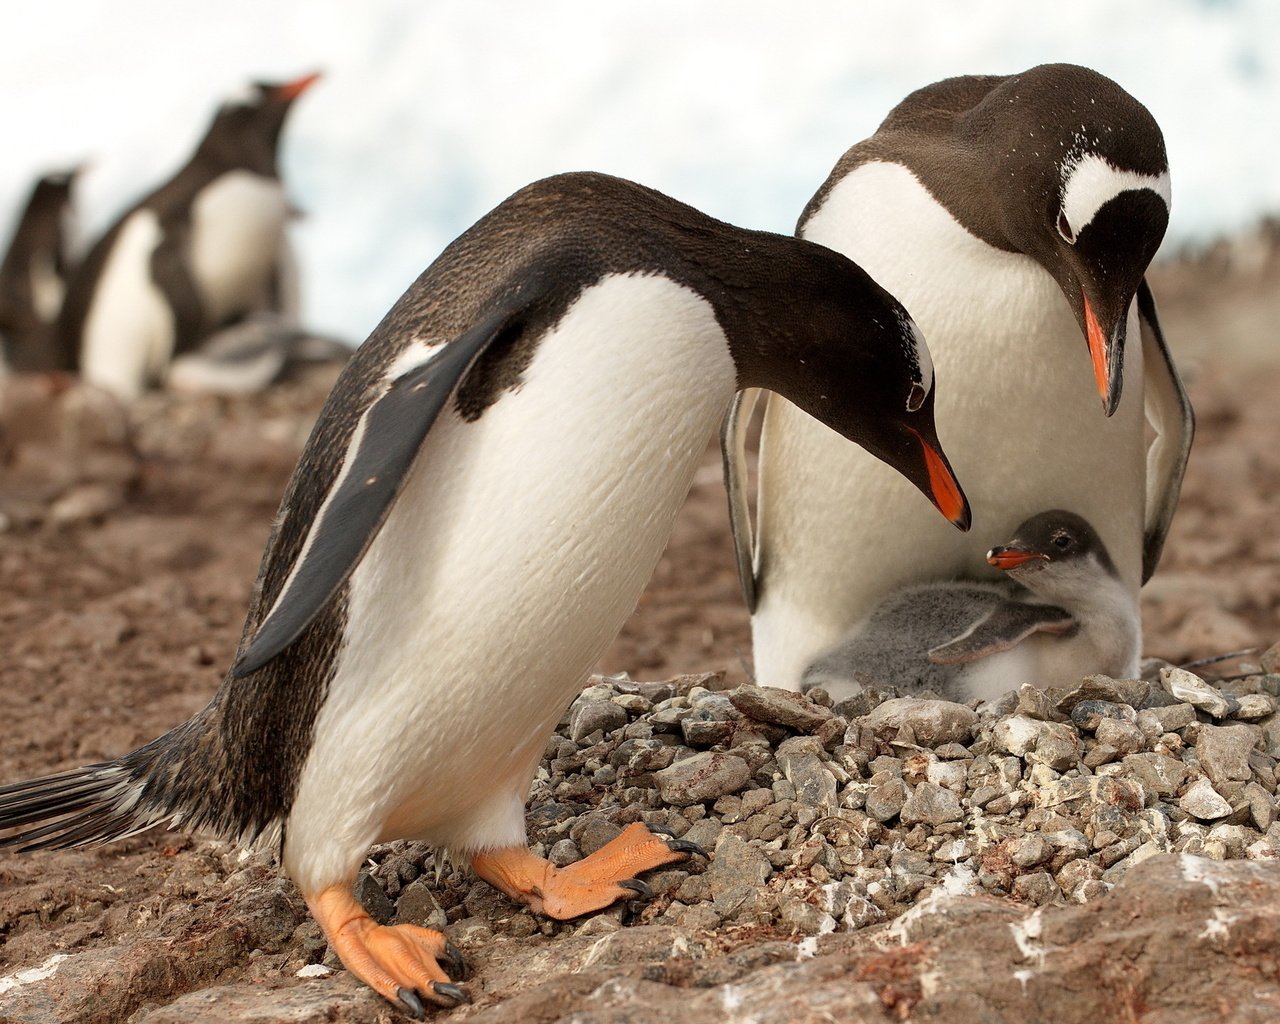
{"points": [[431, 112]]}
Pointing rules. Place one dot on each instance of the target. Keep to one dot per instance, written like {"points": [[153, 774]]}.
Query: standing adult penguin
{"points": [[203, 250], [33, 276], [481, 502], [1013, 215]]}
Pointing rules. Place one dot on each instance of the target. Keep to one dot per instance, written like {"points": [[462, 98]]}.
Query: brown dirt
{"points": [[117, 626]]}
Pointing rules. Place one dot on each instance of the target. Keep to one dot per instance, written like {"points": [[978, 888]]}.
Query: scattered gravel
{"points": [[823, 818]]}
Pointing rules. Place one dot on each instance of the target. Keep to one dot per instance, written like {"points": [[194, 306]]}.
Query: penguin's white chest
{"points": [[237, 230], [1016, 409], [519, 546], [129, 326]]}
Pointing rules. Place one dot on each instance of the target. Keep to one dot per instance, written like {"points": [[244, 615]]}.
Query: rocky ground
{"points": [[1100, 855]]}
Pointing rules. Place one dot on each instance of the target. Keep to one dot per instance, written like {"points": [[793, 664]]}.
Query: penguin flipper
{"points": [[378, 458], [1008, 624], [1169, 411], [171, 273], [733, 440]]}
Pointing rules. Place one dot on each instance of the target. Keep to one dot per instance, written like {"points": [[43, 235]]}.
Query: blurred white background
{"points": [[432, 111]]}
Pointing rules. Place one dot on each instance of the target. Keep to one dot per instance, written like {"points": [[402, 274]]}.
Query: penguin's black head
{"points": [[1084, 168], [852, 357], [246, 129], [1051, 542]]}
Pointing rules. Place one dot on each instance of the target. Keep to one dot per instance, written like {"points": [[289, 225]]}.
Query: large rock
{"points": [[931, 722], [702, 777], [780, 707]]}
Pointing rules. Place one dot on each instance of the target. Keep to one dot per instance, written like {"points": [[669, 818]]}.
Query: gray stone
{"points": [[1016, 735], [1030, 851], [1088, 714], [1123, 736], [418, 905], [1254, 706], [1037, 888], [1270, 660], [932, 722], [563, 852], [1036, 703], [802, 918], [779, 707], [884, 802], [1191, 689], [1223, 751], [1202, 801], [815, 786], [931, 805], [702, 777], [1158, 773], [374, 899], [736, 862]]}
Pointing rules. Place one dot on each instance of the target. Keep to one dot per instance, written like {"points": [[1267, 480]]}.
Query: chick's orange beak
{"points": [[1011, 558]]}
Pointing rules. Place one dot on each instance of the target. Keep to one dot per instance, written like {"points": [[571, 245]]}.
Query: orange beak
{"points": [[1104, 353], [944, 489], [1011, 558], [292, 90]]}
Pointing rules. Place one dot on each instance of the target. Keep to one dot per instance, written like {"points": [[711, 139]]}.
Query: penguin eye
{"points": [[916, 397], [1064, 229], [1062, 541]]}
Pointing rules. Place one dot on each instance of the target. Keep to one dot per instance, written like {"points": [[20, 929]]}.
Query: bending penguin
{"points": [[411, 643], [196, 255], [33, 278], [1063, 613], [1015, 216]]}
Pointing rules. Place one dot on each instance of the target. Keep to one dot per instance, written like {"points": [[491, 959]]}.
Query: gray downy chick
{"points": [[1062, 614]]}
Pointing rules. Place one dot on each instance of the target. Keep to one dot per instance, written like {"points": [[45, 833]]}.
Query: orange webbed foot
{"points": [[399, 962], [593, 883]]}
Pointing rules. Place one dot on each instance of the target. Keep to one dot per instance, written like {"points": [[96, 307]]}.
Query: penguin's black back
{"points": [[30, 341]]}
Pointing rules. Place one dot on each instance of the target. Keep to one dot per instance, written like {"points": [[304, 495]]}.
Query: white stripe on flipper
{"points": [[416, 354]]}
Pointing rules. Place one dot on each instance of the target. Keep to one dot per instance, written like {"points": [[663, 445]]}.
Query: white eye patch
{"points": [[1091, 182]]}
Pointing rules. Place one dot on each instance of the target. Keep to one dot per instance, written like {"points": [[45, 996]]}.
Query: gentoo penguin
{"points": [[200, 252], [1065, 614], [475, 514], [1015, 217], [33, 278]]}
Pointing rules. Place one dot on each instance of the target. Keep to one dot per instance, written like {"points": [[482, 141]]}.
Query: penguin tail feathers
{"points": [[94, 804], [153, 785]]}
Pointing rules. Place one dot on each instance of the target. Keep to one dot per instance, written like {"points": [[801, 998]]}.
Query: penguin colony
{"points": [[410, 645], [193, 286]]}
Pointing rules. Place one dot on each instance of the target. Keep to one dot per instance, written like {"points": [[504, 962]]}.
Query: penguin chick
{"points": [[476, 513], [1015, 216], [1063, 614], [33, 277], [197, 254]]}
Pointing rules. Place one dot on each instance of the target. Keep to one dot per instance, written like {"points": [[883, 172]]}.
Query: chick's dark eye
{"points": [[1062, 541], [1064, 229]]}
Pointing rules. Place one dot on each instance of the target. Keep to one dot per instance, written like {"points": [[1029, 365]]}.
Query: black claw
{"points": [[442, 988], [636, 886], [684, 846], [412, 1003], [660, 830], [453, 959]]}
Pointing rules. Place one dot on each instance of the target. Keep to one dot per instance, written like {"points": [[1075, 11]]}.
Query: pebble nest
{"points": [[821, 817]]}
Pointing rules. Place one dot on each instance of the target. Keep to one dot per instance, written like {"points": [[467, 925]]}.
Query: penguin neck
{"points": [[1106, 611]]}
